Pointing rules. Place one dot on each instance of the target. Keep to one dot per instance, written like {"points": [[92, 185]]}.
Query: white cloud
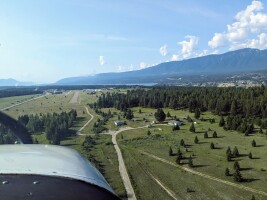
{"points": [[188, 46], [163, 50], [246, 31], [131, 68], [174, 57], [142, 65], [102, 60]]}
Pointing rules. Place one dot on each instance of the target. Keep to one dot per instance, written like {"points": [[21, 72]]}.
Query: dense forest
{"points": [[56, 126], [6, 135], [9, 92], [241, 107]]}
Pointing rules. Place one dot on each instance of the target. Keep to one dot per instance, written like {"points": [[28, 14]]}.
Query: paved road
{"points": [[92, 117], [6, 108], [75, 98]]}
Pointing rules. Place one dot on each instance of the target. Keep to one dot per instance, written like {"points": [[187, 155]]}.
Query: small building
{"points": [[176, 123], [135, 119], [119, 123]]}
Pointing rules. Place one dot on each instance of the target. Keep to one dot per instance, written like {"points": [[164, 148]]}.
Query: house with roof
{"points": [[176, 123], [119, 123]]}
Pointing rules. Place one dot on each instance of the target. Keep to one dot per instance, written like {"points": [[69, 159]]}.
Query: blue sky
{"points": [[43, 41]]}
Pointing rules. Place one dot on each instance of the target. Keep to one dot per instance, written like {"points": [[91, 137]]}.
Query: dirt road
{"points": [[92, 117], [123, 171], [206, 176], [75, 98]]}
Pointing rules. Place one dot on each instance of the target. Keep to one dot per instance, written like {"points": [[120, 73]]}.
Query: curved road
{"points": [[92, 117], [127, 182]]}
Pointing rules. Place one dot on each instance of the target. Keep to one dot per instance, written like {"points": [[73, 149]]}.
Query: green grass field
{"points": [[9, 101], [143, 168], [206, 160]]}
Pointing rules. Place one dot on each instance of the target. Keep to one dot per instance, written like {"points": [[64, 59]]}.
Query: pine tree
{"points": [[228, 151], [196, 140], [148, 132], [253, 143], [178, 160], [160, 115], [250, 155], [227, 172], [168, 114], [229, 157], [197, 113], [212, 145], [182, 143], [190, 162], [192, 128], [170, 151], [253, 197], [206, 135], [237, 176], [235, 152], [222, 122], [214, 135], [236, 165]]}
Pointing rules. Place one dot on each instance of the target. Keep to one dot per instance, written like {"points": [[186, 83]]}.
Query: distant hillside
{"points": [[13, 82], [243, 60]]}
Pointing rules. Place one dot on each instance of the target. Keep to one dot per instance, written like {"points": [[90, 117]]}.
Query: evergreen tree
{"points": [[170, 151], [196, 140], [253, 197], [192, 128], [175, 128], [168, 114], [214, 135], [178, 160], [222, 121], [237, 176], [235, 152], [182, 143], [236, 165], [227, 172], [197, 113], [250, 155], [160, 115], [212, 146], [228, 151], [253, 143], [190, 162], [148, 132], [129, 114], [206, 135], [229, 157], [233, 109]]}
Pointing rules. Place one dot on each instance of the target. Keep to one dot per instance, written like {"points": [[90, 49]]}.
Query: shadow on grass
{"points": [[199, 166], [246, 169], [260, 145], [249, 180]]}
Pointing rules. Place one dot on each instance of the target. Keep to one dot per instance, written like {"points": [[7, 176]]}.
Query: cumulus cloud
{"points": [[142, 65], [163, 50], [102, 60], [188, 46], [247, 30], [174, 57]]}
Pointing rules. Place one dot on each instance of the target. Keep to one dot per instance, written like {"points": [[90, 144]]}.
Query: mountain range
{"points": [[13, 82], [211, 66], [243, 60]]}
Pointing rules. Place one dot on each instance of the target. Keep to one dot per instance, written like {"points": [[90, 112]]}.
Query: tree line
{"points": [[240, 104], [56, 126], [9, 92]]}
